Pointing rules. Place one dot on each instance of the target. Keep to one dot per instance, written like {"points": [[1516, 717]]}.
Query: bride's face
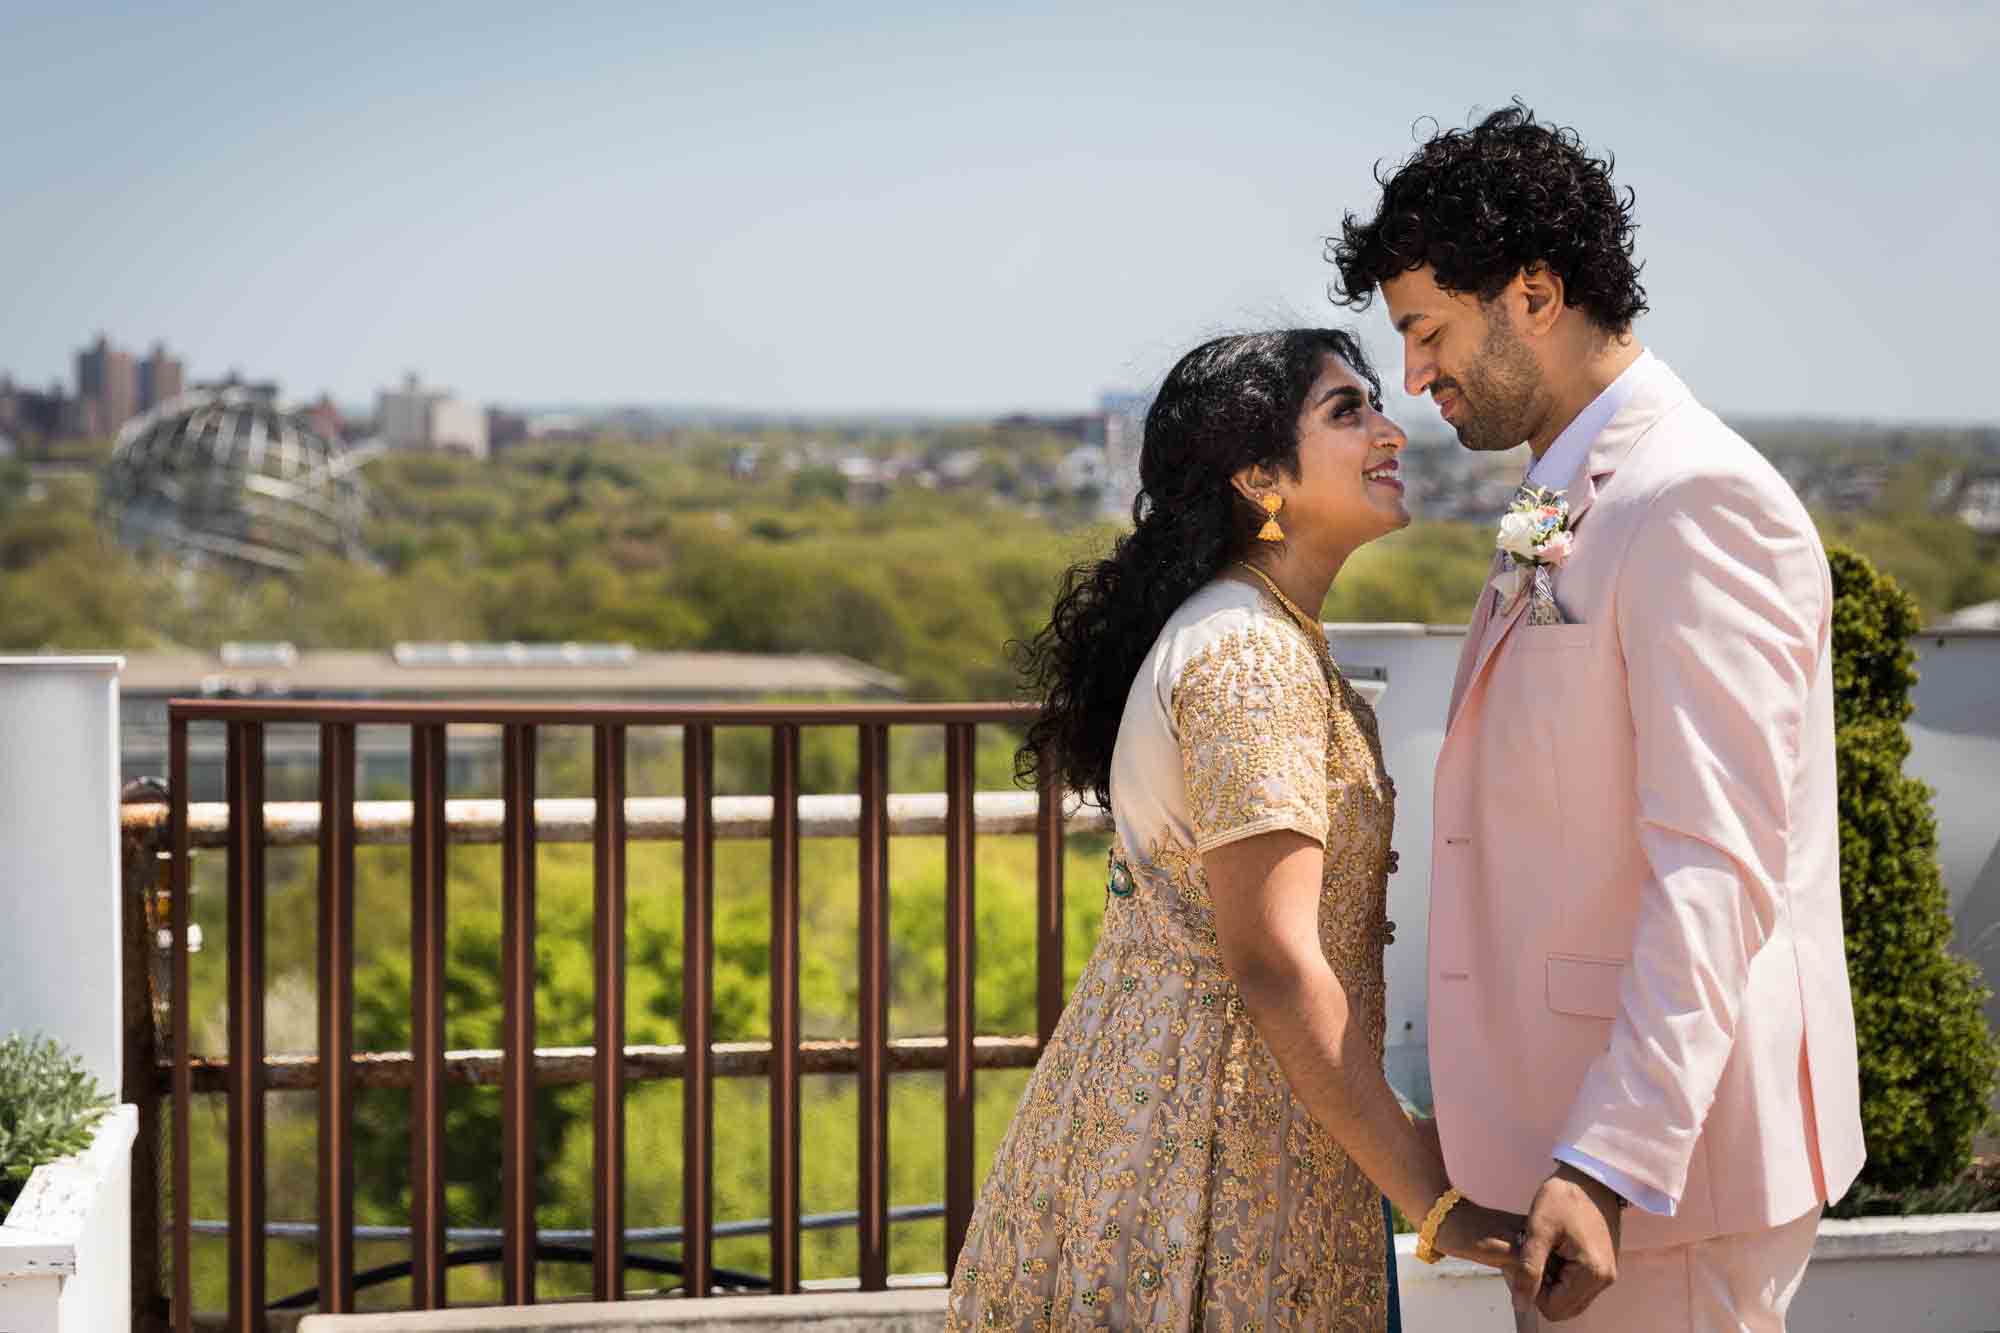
{"points": [[1349, 487]]}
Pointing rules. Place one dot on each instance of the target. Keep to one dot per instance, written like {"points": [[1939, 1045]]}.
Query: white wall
{"points": [[1955, 747], [59, 875], [1421, 662]]}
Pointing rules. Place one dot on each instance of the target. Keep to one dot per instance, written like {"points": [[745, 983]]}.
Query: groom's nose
{"points": [[1418, 372]]}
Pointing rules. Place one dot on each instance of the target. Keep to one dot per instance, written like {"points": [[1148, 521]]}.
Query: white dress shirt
{"points": [[1559, 462], [1556, 469]]}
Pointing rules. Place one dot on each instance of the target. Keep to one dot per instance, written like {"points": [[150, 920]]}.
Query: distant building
{"points": [[458, 424], [159, 378], [1082, 469], [958, 467], [30, 412], [1979, 504], [1085, 429], [415, 417], [1124, 432], [325, 417], [561, 427], [504, 428], [107, 388], [261, 391], [1982, 615]]}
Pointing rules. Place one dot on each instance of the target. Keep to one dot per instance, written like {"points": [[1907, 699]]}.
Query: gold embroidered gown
{"points": [[1158, 1172]]}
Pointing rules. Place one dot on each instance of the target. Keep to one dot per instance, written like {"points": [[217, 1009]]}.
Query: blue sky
{"points": [[850, 207]]}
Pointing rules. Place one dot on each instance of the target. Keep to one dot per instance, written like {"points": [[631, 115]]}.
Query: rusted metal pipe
{"points": [[569, 1066], [481, 821]]}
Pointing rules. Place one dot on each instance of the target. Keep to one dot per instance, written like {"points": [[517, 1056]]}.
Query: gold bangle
{"points": [[1427, 1249]]}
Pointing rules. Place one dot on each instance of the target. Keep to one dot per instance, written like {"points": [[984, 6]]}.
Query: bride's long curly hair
{"points": [[1229, 404]]}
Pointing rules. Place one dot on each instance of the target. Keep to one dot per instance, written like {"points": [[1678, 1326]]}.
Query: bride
{"points": [[1207, 1137]]}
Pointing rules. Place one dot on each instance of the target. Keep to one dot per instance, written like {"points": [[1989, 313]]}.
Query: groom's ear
{"points": [[1539, 294]]}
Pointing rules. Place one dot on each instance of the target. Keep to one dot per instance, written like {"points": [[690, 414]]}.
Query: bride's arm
{"points": [[1266, 892]]}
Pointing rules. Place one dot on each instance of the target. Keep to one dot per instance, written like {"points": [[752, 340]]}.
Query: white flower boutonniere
{"points": [[1534, 533]]}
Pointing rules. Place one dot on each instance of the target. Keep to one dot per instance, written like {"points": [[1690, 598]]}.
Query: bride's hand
{"points": [[1483, 1235]]}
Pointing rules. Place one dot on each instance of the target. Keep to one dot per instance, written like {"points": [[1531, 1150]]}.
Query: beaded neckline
{"points": [[1314, 631]]}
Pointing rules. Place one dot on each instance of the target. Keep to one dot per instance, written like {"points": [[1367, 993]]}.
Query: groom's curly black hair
{"points": [[1478, 205]]}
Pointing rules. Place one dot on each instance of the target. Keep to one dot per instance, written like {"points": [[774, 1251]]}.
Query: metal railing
{"points": [[244, 825]]}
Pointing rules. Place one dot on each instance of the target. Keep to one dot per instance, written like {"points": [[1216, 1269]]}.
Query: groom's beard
{"points": [[1499, 389]]}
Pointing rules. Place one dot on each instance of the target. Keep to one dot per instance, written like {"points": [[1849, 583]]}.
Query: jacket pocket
{"points": [[1587, 987], [1571, 638]]}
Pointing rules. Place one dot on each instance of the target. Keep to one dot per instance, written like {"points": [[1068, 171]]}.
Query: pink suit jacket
{"points": [[1635, 940]]}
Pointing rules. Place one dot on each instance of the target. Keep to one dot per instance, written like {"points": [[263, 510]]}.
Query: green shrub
{"points": [[48, 1105], [1927, 1059]]}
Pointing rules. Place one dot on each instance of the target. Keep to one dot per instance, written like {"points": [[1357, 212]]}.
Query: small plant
{"points": [[48, 1106]]}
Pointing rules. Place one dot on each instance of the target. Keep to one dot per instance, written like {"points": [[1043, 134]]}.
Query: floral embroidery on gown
{"points": [[1158, 1172]]}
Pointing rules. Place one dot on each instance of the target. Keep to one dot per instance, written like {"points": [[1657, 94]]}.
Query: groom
{"points": [[1640, 1026]]}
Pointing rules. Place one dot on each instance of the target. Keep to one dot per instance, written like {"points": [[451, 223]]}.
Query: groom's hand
{"points": [[1573, 1239]]}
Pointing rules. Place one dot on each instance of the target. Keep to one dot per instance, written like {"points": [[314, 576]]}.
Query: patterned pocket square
{"points": [[1542, 608]]}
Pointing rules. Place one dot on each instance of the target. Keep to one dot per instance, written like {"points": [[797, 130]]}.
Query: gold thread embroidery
{"points": [[1158, 1172], [1251, 711]]}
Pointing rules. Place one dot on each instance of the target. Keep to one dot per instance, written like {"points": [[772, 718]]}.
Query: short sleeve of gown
{"points": [[1251, 714]]}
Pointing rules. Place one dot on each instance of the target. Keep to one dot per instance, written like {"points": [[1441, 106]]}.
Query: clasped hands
{"points": [[1558, 1258]]}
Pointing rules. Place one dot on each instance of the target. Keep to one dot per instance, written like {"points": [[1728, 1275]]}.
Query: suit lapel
{"points": [[1496, 631], [1658, 392], [1475, 640]]}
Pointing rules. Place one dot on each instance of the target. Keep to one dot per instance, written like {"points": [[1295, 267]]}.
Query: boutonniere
{"points": [[1534, 533]]}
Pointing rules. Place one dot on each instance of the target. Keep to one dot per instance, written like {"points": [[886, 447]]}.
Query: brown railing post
{"points": [[517, 1041], [143, 871], [336, 1073], [427, 981], [608, 930], [697, 1008], [245, 750], [874, 1036], [177, 1018], [1049, 907], [785, 1160], [959, 1018], [336, 1018]]}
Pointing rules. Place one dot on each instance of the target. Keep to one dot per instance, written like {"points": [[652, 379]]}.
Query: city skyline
{"points": [[772, 210]]}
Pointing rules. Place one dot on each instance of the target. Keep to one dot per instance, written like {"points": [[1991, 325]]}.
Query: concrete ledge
{"points": [[1925, 1274], [844, 1312], [1924, 1236], [1929, 1274], [64, 1251]]}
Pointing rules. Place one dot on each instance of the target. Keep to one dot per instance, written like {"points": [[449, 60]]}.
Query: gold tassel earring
{"points": [[1271, 532]]}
